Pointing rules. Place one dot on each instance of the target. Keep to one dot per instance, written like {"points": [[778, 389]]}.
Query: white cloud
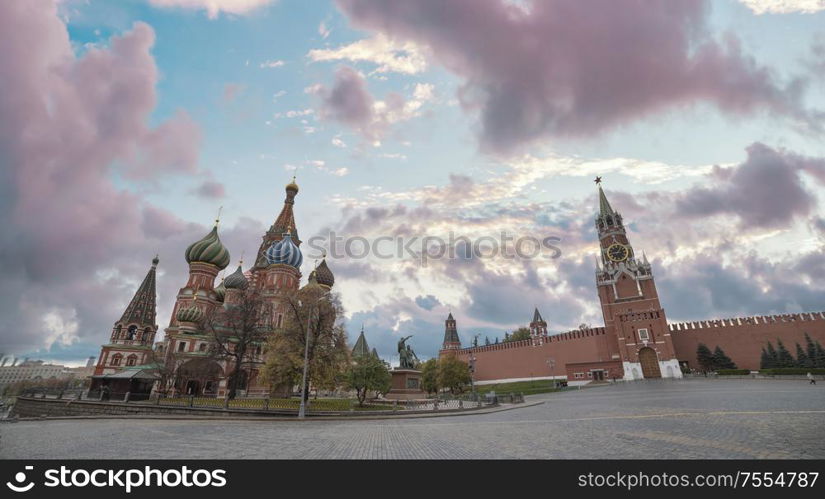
{"points": [[276, 63], [337, 142], [380, 50], [214, 7], [784, 6], [294, 113], [323, 30]]}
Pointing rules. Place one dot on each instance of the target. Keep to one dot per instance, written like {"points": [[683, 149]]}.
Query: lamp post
{"points": [[303, 407]]}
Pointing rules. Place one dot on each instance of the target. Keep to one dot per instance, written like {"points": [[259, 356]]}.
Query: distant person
{"points": [[811, 378]]}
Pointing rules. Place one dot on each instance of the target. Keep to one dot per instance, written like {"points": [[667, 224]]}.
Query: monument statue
{"points": [[407, 357]]}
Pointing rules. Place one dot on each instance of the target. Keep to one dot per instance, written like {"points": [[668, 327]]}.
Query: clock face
{"points": [[617, 252]]}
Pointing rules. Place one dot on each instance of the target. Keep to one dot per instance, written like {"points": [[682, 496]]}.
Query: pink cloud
{"points": [[556, 68], [72, 240], [210, 189]]}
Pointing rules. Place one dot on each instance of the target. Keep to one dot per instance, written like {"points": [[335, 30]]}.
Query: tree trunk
{"points": [[233, 380]]}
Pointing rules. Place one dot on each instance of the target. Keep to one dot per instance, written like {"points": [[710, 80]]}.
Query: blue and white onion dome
{"points": [[236, 280], [285, 252]]}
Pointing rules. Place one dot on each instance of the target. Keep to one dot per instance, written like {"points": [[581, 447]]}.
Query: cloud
{"points": [[381, 51], [215, 7], [272, 64], [713, 251], [231, 91], [75, 244], [784, 6], [350, 102], [566, 68], [767, 190], [210, 189]]}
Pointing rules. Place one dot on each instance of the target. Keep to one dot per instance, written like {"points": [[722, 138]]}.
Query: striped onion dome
{"points": [[209, 250], [191, 313], [323, 275], [284, 252], [220, 292], [236, 280]]}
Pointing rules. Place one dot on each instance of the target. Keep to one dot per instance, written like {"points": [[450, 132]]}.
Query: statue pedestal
{"points": [[406, 385]]}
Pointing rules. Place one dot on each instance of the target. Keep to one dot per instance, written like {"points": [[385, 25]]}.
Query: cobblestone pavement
{"points": [[651, 419]]}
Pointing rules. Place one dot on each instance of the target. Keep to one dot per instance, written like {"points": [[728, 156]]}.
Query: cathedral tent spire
{"points": [[604, 204], [142, 308], [361, 349]]}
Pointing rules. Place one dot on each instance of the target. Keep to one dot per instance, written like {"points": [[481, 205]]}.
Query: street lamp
{"points": [[303, 408]]}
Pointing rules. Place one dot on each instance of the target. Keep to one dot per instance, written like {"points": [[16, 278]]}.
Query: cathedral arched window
{"points": [[132, 331], [116, 359], [118, 330], [131, 360]]}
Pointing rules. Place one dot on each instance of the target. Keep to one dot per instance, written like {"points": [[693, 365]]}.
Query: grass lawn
{"points": [[321, 404], [524, 387]]}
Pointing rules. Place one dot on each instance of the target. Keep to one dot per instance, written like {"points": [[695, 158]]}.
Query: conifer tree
{"points": [[783, 356], [722, 361], [802, 360], [774, 358], [819, 358], [704, 357], [765, 360], [810, 350]]}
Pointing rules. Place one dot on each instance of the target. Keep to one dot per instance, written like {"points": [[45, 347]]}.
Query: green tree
{"points": [[367, 374], [772, 356], [327, 351], [519, 334], [765, 360], [486, 340], [721, 360], [783, 356], [819, 357], [802, 359], [810, 350], [453, 374], [429, 376], [705, 357]]}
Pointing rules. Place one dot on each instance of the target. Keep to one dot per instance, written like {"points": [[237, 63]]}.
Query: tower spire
{"points": [[451, 339], [361, 349], [285, 223], [142, 308]]}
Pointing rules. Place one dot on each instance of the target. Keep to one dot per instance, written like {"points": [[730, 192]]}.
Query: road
{"points": [[651, 419]]}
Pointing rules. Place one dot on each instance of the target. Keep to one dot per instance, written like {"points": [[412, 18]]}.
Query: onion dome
{"points": [[312, 282], [284, 252], [220, 292], [323, 275], [191, 313], [209, 250], [292, 186], [236, 280]]}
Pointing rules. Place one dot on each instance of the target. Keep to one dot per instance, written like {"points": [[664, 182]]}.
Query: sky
{"points": [[126, 125]]}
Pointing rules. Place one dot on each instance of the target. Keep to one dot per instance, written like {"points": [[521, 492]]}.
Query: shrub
{"points": [[733, 372], [792, 370]]}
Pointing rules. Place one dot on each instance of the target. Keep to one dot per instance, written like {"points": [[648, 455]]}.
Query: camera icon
{"points": [[20, 477]]}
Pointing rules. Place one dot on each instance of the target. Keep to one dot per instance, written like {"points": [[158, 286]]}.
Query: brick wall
{"points": [[742, 338]]}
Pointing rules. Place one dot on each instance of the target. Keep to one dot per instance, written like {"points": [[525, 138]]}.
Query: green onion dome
{"points": [[220, 292], [191, 313], [209, 250], [236, 280]]}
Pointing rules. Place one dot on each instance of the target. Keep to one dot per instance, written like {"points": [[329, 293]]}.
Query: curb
{"points": [[445, 414]]}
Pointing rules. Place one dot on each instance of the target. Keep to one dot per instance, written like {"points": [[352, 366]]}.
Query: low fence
{"points": [[42, 403]]}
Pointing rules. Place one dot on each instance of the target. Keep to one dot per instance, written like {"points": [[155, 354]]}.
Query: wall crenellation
{"points": [[573, 334], [747, 321]]}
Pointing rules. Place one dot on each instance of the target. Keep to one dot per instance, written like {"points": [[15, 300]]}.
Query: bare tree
{"points": [[237, 330]]}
